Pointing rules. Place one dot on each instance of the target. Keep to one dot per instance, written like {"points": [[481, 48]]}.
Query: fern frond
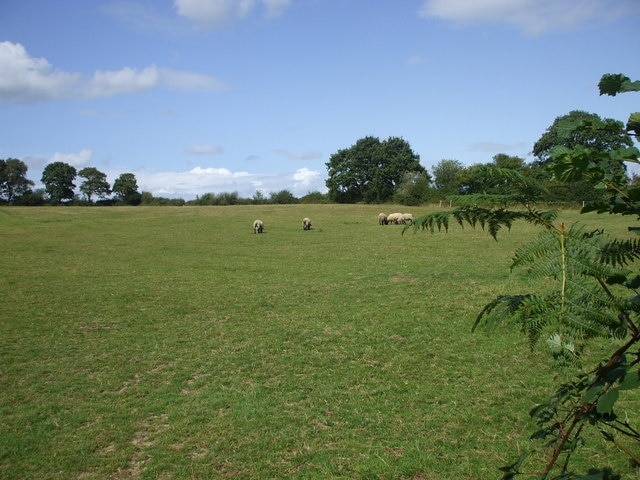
{"points": [[583, 255], [583, 306], [542, 255], [491, 219], [531, 312], [508, 304], [541, 218], [620, 252], [430, 222]]}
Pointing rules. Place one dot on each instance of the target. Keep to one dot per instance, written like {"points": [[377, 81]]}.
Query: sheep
{"points": [[258, 226], [382, 219], [306, 224], [406, 218], [394, 218]]}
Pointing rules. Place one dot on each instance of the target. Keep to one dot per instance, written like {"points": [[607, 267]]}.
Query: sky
{"points": [[212, 96]]}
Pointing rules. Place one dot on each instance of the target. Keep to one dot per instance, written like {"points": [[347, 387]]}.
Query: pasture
{"points": [[173, 342]]}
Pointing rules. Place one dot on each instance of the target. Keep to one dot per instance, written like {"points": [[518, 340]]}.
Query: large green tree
{"points": [[447, 177], [95, 183], [126, 189], [13, 179], [598, 136], [370, 170], [602, 135], [414, 189], [58, 178]]}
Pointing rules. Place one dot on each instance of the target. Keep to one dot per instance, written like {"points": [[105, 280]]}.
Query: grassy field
{"points": [[161, 343]]}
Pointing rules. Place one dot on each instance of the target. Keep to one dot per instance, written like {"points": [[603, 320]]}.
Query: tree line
{"points": [[370, 171], [374, 171], [59, 180]]}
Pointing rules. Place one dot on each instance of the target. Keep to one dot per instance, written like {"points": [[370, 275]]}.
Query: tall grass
{"points": [[176, 343]]}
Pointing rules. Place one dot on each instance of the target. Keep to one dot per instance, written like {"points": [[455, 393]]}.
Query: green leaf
{"points": [[597, 474], [512, 470], [631, 380], [612, 84], [606, 402], [633, 124], [592, 393]]}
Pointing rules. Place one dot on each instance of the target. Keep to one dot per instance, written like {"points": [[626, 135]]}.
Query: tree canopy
{"points": [[13, 180], [370, 170], [95, 183], [447, 176], [604, 135], [58, 178], [126, 189]]}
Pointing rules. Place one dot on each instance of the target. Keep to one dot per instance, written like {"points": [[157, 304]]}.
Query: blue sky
{"points": [[197, 96]]}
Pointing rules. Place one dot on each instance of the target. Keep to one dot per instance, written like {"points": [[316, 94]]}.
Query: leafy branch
{"points": [[595, 294]]}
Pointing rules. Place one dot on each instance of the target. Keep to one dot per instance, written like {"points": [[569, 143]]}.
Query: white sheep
{"points": [[306, 224], [382, 219], [394, 218], [258, 226], [406, 218]]}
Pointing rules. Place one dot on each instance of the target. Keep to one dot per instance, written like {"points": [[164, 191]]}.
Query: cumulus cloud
{"points": [[201, 180], [305, 178], [129, 80], [531, 16], [83, 157], [25, 79], [215, 13]]}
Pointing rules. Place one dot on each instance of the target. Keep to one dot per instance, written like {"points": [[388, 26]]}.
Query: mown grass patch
{"points": [[175, 343]]}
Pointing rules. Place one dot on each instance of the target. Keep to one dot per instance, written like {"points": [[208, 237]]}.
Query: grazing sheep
{"points": [[394, 218], [306, 224], [406, 218], [258, 226], [382, 219]]}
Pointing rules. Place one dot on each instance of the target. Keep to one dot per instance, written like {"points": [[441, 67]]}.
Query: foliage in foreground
{"points": [[593, 293]]}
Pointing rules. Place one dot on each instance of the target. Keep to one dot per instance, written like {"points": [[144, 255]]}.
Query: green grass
{"points": [[175, 343]]}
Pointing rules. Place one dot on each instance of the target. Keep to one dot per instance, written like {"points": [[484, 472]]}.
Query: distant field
{"points": [[173, 342]]}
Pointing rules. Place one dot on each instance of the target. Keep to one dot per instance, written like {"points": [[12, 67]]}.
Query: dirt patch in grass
{"points": [[403, 278]]}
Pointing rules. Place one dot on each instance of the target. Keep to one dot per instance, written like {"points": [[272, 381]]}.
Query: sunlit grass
{"points": [[175, 343]]}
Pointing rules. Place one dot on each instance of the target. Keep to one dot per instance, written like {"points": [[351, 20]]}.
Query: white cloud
{"points": [[188, 184], [74, 159], [25, 79], [532, 16], [127, 80], [201, 180], [215, 13], [204, 150], [305, 178]]}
